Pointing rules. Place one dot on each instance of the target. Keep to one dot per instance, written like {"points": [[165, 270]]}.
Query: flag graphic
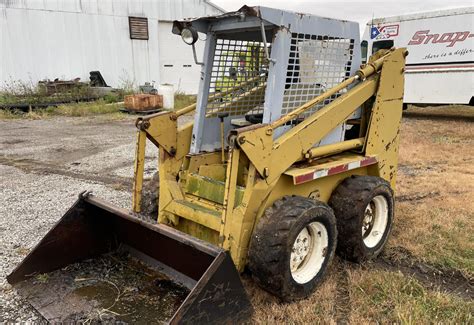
{"points": [[374, 31]]}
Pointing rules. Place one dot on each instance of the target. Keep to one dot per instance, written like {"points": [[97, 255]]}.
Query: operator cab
{"points": [[260, 64]]}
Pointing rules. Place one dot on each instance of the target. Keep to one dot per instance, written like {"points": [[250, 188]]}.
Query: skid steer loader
{"points": [[292, 161]]}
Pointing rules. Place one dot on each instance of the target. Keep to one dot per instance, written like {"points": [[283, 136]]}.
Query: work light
{"points": [[189, 36]]}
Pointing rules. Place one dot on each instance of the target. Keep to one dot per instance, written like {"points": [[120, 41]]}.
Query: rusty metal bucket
{"points": [[101, 263]]}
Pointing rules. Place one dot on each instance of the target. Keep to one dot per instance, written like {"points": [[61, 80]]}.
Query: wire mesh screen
{"points": [[238, 78], [316, 64]]}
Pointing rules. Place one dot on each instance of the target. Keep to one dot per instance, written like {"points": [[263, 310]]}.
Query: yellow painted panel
{"points": [[195, 212], [210, 189]]}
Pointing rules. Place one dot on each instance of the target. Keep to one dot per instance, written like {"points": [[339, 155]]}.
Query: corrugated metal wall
{"points": [[67, 39]]}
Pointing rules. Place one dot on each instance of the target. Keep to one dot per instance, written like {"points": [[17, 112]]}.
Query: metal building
{"points": [[128, 41]]}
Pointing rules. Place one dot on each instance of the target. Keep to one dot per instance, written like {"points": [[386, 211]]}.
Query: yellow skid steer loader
{"points": [[286, 165]]}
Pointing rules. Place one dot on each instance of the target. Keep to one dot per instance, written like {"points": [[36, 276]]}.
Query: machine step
{"points": [[195, 212]]}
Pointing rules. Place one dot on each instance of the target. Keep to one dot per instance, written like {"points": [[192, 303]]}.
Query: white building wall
{"points": [[177, 66], [66, 39]]}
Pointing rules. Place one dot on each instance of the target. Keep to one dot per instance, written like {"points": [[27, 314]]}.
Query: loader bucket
{"points": [[101, 263]]}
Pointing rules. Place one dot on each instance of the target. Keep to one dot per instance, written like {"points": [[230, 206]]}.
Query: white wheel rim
{"points": [[375, 221], [309, 252]]}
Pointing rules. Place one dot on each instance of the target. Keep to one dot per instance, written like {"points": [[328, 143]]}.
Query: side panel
{"points": [[218, 298], [319, 54], [384, 126], [319, 189], [439, 87]]}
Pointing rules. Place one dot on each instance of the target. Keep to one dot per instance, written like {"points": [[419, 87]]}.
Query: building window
{"points": [[138, 27]]}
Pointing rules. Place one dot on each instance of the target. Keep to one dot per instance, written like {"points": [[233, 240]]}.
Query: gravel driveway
{"points": [[44, 165]]}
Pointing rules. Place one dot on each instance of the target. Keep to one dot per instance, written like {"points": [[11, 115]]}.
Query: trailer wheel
{"points": [[150, 194], [363, 206], [292, 247]]}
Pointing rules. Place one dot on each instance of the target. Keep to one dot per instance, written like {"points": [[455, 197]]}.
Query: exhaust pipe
{"points": [[102, 263]]}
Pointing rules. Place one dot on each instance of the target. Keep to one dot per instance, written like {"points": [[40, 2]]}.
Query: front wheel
{"points": [[363, 206], [292, 247]]}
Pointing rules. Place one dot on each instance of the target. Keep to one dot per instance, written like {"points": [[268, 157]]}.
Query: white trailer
{"points": [[440, 64]]}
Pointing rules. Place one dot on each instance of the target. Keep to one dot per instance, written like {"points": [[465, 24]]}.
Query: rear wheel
{"points": [[375, 221], [292, 246], [363, 206]]}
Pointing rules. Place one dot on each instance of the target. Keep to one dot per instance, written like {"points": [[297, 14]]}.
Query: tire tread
{"points": [[348, 201], [269, 244]]}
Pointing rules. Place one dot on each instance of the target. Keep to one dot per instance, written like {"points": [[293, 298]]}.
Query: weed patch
{"points": [[104, 107], [181, 100]]}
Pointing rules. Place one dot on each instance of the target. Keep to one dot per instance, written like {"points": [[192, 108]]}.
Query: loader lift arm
{"points": [[381, 80], [296, 144]]}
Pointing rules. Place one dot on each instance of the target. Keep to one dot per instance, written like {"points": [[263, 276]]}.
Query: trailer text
{"points": [[423, 37]]}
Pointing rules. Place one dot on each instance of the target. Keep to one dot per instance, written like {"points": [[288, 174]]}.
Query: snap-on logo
{"points": [[424, 37]]}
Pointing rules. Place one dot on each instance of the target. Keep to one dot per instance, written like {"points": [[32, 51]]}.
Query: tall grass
{"points": [[182, 100], [99, 107], [102, 107], [14, 92]]}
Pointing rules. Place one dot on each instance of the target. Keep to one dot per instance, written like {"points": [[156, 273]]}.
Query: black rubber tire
{"points": [[150, 194], [349, 201], [272, 242]]}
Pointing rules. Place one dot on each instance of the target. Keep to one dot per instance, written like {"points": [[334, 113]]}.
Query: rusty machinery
{"points": [[292, 156]]}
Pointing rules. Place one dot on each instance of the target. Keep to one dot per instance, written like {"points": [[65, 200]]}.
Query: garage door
{"points": [[177, 66]]}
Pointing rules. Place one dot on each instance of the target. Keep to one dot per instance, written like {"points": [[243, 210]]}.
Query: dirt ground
{"points": [[425, 275]]}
